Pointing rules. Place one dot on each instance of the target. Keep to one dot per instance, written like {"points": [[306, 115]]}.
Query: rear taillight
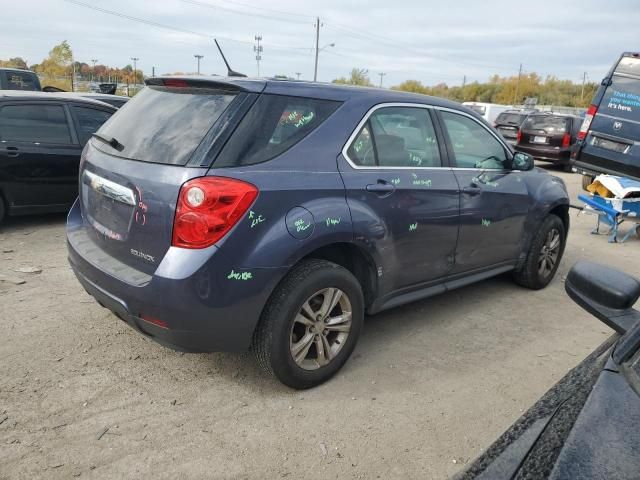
{"points": [[208, 207], [519, 136], [566, 140], [586, 123]]}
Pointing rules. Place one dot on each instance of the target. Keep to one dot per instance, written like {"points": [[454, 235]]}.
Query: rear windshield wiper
{"points": [[111, 141]]}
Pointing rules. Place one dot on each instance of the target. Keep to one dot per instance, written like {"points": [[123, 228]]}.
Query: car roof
{"points": [[10, 69], [67, 96], [319, 90]]}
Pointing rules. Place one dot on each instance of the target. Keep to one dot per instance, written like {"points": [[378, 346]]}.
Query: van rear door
{"points": [[612, 145]]}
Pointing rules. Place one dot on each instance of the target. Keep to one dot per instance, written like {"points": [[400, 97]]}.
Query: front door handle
{"points": [[382, 187], [472, 190]]}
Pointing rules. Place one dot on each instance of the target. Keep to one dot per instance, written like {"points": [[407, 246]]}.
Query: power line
{"points": [[170, 27], [240, 12], [277, 12]]}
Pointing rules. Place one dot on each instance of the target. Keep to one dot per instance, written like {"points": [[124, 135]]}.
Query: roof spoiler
{"points": [[194, 82]]}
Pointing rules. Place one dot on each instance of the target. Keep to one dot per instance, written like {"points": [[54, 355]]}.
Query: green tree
{"points": [[16, 62], [358, 76]]}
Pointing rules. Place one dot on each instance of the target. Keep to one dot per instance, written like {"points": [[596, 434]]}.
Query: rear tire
{"points": [[296, 339], [3, 210], [544, 255], [586, 181]]}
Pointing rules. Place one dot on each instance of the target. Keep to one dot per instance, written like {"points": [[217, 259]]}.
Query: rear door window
{"points": [[274, 124], [396, 137], [622, 98], [89, 120], [34, 124], [165, 124]]}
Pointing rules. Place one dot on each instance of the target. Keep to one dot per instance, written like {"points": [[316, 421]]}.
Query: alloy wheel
{"points": [[549, 253], [320, 328]]}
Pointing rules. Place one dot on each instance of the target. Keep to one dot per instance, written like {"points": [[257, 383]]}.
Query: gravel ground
{"points": [[430, 384]]}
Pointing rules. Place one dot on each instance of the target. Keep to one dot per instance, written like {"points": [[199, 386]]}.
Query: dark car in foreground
{"points": [[226, 214], [41, 138], [609, 138], [19, 79], [549, 137], [508, 123], [587, 426]]}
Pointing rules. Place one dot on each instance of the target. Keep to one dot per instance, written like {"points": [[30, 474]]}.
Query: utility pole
{"points": [[298, 75], [584, 79], [315, 71], [135, 76], [153, 71], [258, 49], [464, 84], [93, 72], [515, 96], [382, 74], [199, 57]]}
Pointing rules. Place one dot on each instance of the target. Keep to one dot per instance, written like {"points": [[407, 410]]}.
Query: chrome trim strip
{"points": [[110, 189], [373, 109]]}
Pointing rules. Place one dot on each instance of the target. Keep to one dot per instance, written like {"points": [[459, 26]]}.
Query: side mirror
{"points": [[522, 161], [605, 293]]}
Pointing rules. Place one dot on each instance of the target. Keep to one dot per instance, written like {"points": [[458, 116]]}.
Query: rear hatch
{"points": [[613, 142], [132, 170], [508, 124], [545, 131]]}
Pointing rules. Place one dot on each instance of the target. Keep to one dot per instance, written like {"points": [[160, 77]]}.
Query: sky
{"points": [[425, 40]]}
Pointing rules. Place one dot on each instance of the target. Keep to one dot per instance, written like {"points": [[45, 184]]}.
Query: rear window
{"points": [[165, 125], [510, 118], [21, 81], [274, 124], [622, 98], [549, 123], [629, 66], [479, 109]]}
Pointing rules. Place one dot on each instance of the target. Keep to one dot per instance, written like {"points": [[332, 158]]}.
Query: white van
{"points": [[488, 111]]}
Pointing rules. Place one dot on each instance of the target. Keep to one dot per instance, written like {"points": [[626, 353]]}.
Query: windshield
{"points": [[510, 118], [629, 66], [164, 125], [548, 123]]}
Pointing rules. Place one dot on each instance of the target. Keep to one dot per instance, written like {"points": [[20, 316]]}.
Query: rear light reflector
{"points": [[155, 321], [174, 82], [566, 140], [586, 123], [519, 136], [208, 207]]}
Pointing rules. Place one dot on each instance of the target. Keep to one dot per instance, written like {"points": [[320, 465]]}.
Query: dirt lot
{"points": [[429, 386]]}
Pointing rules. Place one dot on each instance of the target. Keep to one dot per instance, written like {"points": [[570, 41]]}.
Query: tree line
{"points": [[59, 69], [504, 90]]}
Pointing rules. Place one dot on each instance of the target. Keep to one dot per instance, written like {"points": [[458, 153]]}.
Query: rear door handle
{"points": [[382, 187], [472, 190], [12, 152]]}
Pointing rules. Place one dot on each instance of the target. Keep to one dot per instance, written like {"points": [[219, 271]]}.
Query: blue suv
{"points": [[228, 214]]}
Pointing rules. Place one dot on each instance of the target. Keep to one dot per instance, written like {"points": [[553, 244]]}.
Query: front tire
{"points": [[544, 255], [310, 325]]}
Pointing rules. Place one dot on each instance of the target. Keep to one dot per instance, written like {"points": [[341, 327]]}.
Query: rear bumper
{"points": [[545, 153], [203, 312]]}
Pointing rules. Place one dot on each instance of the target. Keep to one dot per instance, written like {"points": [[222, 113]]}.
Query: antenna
{"points": [[230, 73]]}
